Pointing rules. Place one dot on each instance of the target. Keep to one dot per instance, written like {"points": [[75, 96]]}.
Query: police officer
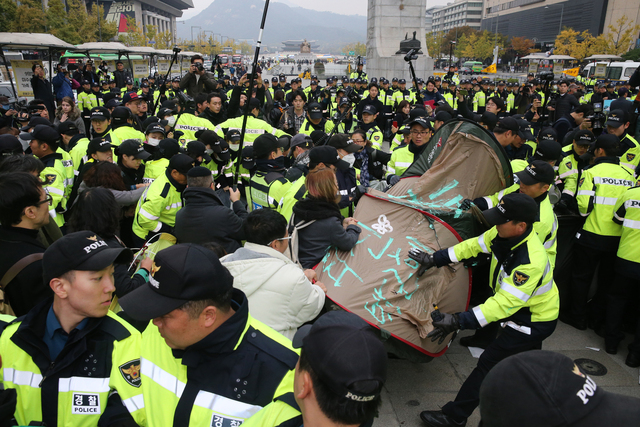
{"points": [[525, 299], [254, 128], [571, 165], [122, 121], [599, 189], [617, 124], [626, 281], [359, 73], [370, 126], [315, 120], [205, 360], [71, 360], [157, 208], [421, 132], [268, 185], [44, 142]]}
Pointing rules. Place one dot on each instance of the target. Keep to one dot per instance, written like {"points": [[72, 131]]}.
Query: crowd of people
{"points": [[255, 183]]}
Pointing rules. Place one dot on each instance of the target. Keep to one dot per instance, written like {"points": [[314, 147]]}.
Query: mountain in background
{"points": [[240, 19]]}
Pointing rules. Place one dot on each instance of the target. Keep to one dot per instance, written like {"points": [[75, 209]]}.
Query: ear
{"points": [[29, 212], [208, 316], [546, 187], [306, 385], [59, 287]]}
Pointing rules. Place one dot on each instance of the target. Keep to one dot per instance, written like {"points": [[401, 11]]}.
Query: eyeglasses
{"points": [[48, 199], [275, 240], [423, 133]]}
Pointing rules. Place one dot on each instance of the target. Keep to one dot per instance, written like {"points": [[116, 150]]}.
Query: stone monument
{"points": [[389, 25], [305, 47]]}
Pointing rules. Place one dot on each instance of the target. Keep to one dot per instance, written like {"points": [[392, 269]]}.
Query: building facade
{"points": [[542, 20], [460, 13], [428, 25]]}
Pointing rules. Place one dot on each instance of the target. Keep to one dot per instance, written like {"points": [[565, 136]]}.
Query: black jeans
{"points": [[508, 343], [585, 262], [621, 291]]}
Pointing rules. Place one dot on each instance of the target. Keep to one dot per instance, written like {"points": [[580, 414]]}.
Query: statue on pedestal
{"points": [[305, 47], [406, 45]]}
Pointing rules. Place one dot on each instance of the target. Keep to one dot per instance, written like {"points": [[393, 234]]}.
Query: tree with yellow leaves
{"points": [[620, 37], [434, 43]]}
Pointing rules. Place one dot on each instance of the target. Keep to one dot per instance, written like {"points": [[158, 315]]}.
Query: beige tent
{"points": [[377, 280]]}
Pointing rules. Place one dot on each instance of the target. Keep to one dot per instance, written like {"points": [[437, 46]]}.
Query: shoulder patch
{"points": [[520, 278], [568, 164], [131, 372], [50, 178], [376, 138], [581, 181], [630, 157]]}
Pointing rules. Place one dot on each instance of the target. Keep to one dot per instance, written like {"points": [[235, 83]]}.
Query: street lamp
{"points": [[192, 27], [451, 44], [561, 16]]}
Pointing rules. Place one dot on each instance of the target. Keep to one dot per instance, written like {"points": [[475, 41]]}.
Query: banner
{"points": [[22, 73], [175, 69], [186, 65], [533, 67], [558, 68], [491, 69], [140, 68], [573, 72], [163, 66], [601, 70]]}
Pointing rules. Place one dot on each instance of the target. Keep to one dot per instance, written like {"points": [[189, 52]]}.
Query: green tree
{"points": [[96, 25], [134, 35], [358, 48], [8, 13], [29, 17], [434, 44], [620, 37]]}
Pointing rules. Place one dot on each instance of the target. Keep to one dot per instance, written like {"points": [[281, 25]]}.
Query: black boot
{"points": [[438, 419]]}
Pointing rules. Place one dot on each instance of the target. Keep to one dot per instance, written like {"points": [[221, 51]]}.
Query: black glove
{"points": [[393, 179], [425, 259], [466, 204], [443, 324]]}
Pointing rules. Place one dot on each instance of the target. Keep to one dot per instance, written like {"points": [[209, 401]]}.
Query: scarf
{"points": [[274, 165], [311, 208], [364, 168]]}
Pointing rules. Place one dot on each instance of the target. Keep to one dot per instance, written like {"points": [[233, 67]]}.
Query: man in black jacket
{"points": [[24, 209], [204, 218], [42, 88]]}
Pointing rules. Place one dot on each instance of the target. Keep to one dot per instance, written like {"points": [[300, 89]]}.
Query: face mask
{"points": [[350, 158], [171, 120], [234, 147], [6, 106], [153, 141], [208, 151]]}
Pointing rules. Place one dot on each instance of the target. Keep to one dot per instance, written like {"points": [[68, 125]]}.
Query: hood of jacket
{"points": [[310, 208]]}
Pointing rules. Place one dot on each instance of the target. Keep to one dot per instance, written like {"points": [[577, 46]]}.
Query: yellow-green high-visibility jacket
{"points": [[522, 279], [283, 411], [307, 127], [630, 158], [479, 101], [53, 177], [125, 132], [84, 101], [79, 155], [374, 134], [511, 101], [400, 161], [67, 162], [296, 192], [255, 128], [157, 208], [94, 380], [224, 379], [189, 124], [153, 169], [405, 95], [599, 189], [627, 214], [267, 190]]}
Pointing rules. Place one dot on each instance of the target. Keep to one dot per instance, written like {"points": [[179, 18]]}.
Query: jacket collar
{"points": [[266, 250], [224, 339], [19, 234], [607, 159]]}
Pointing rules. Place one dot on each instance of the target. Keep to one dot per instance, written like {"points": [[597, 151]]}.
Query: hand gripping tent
{"points": [[377, 280]]}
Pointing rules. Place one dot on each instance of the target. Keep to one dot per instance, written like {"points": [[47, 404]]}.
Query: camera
{"points": [[353, 96], [598, 118], [199, 66], [176, 49], [546, 76], [411, 55]]}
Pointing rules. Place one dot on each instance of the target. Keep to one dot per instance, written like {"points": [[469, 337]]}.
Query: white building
{"points": [[460, 13]]}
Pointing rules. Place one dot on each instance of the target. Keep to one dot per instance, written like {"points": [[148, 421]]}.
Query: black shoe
{"points": [[632, 360], [438, 419], [474, 341], [611, 347], [572, 321]]}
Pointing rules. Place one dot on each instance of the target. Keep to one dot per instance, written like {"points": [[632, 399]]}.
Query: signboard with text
{"points": [[140, 68], [22, 73]]}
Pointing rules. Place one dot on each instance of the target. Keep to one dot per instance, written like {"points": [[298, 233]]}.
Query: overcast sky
{"points": [[350, 7]]}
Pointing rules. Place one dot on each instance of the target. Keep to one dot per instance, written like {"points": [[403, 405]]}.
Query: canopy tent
{"points": [[377, 280], [603, 57], [560, 57], [20, 41], [106, 47], [535, 56]]}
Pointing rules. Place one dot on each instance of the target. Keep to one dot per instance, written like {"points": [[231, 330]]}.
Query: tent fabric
{"points": [[32, 40], [102, 47], [377, 280]]}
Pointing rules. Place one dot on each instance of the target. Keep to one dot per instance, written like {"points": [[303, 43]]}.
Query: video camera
{"points": [[353, 96], [598, 118], [411, 55], [545, 76]]}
